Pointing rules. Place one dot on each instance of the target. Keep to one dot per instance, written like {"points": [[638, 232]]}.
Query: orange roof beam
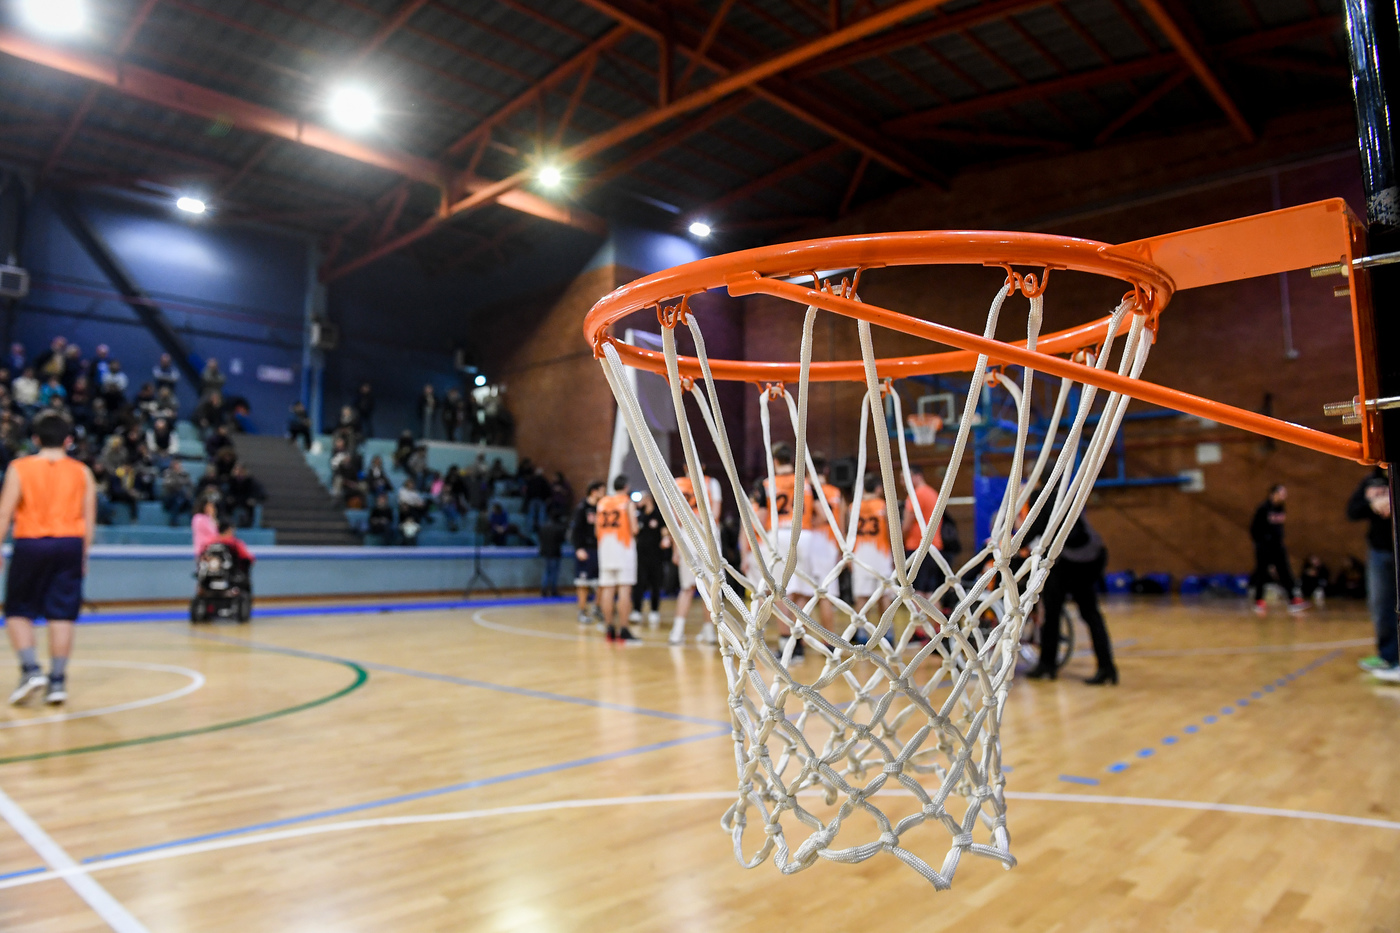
{"points": [[1195, 60]]}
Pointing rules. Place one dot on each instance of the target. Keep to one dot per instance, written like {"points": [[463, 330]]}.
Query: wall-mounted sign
{"points": [[281, 375]]}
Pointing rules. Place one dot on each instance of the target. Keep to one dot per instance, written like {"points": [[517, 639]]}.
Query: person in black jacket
{"points": [[1075, 575], [1370, 502], [584, 538], [1270, 556], [551, 537], [651, 572]]}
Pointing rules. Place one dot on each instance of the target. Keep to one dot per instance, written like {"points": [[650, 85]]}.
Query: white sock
{"points": [[679, 622]]}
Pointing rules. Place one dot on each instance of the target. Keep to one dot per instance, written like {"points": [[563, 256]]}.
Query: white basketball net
{"points": [[900, 725]]}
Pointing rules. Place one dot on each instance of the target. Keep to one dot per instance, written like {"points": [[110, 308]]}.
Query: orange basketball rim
{"points": [[1321, 235]]}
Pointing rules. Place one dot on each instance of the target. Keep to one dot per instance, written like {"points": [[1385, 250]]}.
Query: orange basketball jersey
{"points": [[873, 528], [781, 489], [688, 490], [51, 497], [614, 519], [838, 511]]}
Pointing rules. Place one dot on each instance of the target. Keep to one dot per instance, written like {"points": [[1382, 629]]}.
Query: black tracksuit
{"points": [[651, 569], [1270, 556]]}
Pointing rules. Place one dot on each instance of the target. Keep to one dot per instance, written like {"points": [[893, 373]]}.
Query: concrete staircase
{"points": [[298, 507]]}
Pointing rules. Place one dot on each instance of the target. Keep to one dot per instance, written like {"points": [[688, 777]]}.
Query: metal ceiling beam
{"points": [[123, 45], [775, 177], [720, 89], [707, 118], [1143, 104], [1186, 47], [386, 29]]}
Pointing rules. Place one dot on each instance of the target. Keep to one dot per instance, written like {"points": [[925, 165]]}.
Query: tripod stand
{"points": [[479, 576]]}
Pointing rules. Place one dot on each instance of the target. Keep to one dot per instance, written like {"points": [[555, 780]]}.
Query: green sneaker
{"points": [[1374, 663]]}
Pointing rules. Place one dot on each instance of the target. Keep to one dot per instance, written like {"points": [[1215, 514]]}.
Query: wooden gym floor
{"points": [[491, 769]]}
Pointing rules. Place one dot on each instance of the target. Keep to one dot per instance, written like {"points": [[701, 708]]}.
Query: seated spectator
{"points": [[18, 358], [52, 361], [100, 424], [167, 405], [381, 520], [145, 401], [242, 495], [499, 523], [80, 402], [110, 491], [114, 386], [1315, 579], [74, 365], [50, 390], [101, 362], [165, 374], [377, 481], [177, 491], [209, 414], [204, 524], [162, 442], [417, 465], [225, 460], [403, 450], [450, 497], [240, 414], [211, 485], [299, 425], [412, 510], [211, 379], [346, 466], [141, 475], [216, 441], [348, 427], [26, 391]]}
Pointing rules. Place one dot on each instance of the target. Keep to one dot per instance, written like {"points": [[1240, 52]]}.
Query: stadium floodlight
{"points": [[54, 17], [191, 205], [551, 177], [480, 380], [699, 228], [353, 108]]}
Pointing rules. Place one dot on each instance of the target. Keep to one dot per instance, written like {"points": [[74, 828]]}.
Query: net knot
{"points": [[962, 841], [894, 767], [889, 840], [773, 829]]}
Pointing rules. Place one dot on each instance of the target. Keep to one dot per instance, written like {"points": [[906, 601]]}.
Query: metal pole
{"points": [[1373, 30]]}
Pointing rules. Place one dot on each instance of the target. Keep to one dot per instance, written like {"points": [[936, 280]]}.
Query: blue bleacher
{"points": [[164, 534]]}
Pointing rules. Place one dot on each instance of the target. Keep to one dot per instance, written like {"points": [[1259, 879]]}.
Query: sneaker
{"points": [[30, 683], [612, 633], [707, 634], [1389, 675], [57, 692], [636, 616], [1298, 604], [585, 619], [627, 638], [653, 619], [677, 633], [1375, 663], [1261, 608]]}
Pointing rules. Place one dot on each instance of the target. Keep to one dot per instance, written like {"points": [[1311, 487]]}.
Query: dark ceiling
{"points": [[757, 116]]}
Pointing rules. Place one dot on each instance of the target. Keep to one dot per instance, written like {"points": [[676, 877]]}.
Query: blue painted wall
{"points": [[234, 293]]}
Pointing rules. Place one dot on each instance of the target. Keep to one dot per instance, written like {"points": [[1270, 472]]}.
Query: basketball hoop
{"points": [[924, 428], [820, 746]]}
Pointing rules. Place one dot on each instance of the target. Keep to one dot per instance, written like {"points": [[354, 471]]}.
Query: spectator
{"points": [[427, 411], [26, 391], [449, 497], [403, 450], [114, 386], [217, 441], [412, 509], [177, 491], [381, 520], [80, 402], [162, 442], [204, 525], [1270, 556], [538, 493], [364, 407], [101, 362], [100, 425], [346, 467], [348, 427], [1371, 503], [145, 401], [209, 414], [243, 495], [1315, 578], [299, 425], [211, 379], [165, 374], [499, 524], [73, 364], [52, 362], [19, 361], [551, 537], [377, 481], [453, 413], [167, 405], [110, 491], [561, 494], [651, 572], [50, 390], [210, 485]]}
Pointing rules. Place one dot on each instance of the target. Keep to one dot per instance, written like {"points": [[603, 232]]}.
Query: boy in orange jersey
{"points": [[52, 501], [617, 560], [824, 552], [873, 551], [781, 492], [930, 575], [687, 591]]}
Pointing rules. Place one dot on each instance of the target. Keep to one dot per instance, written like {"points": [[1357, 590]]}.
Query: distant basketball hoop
{"points": [[925, 429]]}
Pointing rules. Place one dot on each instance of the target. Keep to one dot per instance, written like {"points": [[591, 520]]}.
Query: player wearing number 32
{"points": [[616, 523]]}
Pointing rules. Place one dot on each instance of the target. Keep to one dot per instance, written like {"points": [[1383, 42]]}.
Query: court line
{"points": [[471, 682], [203, 845], [196, 681], [330, 609], [361, 676], [61, 864]]}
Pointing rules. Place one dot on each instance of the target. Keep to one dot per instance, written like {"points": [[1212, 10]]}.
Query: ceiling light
{"points": [[551, 177], [353, 108], [54, 17], [481, 380], [699, 228], [192, 205]]}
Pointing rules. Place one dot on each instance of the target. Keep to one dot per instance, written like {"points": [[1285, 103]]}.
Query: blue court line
{"points": [[470, 682], [333, 609], [1118, 767], [1076, 779], [391, 801]]}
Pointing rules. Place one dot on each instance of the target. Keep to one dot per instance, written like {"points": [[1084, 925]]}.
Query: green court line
{"points": [[361, 676]]}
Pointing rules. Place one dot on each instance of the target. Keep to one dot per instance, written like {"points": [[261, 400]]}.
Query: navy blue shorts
{"points": [[586, 570], [45, 579]]}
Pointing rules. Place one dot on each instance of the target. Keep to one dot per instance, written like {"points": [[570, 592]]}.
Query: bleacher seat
{"points": [[180, 535]]}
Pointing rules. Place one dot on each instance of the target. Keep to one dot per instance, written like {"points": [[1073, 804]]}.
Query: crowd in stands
{"points": [[127, 433]]}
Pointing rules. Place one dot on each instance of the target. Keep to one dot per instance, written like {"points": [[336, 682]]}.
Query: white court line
{"points": [[196, 681], [233, 842], [105, 905], [1249, 649]]}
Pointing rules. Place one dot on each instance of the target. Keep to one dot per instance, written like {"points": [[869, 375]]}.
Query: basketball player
{"points": [[825, 552], [781, 491], [584, 537], [52, 500], [930, 575], [874, 558], [617, 560], [687, 591]]}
